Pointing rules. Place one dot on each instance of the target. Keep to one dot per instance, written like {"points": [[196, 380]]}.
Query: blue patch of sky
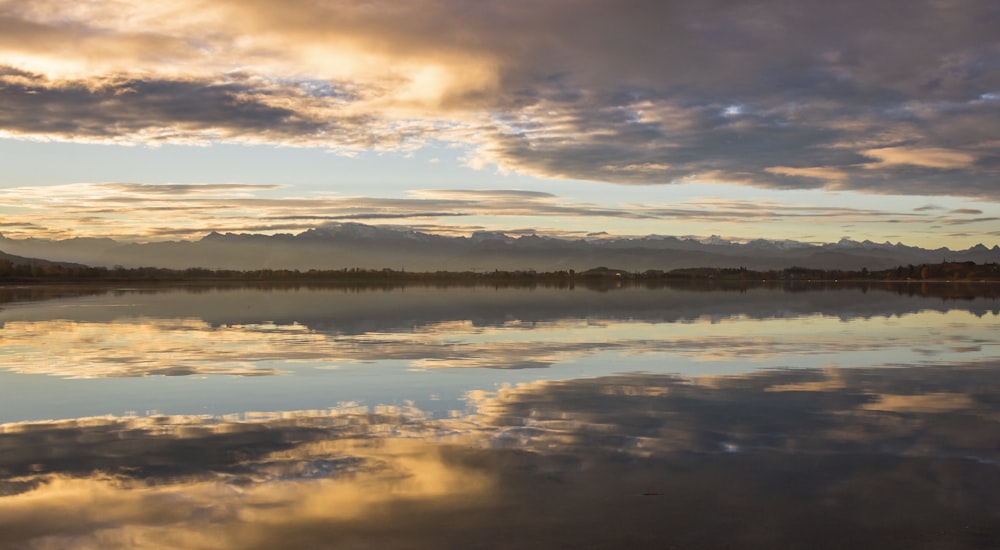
{"points": [[732, 110], [29, 163]]}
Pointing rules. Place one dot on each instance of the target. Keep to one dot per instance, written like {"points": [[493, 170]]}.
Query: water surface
{"points": [[497, 417]]}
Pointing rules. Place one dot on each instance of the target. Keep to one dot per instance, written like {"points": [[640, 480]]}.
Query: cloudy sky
{"points": [[798, 119]]}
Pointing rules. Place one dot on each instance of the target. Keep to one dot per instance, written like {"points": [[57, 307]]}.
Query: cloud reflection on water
{"points": [[886, 457], [143, 346], [856, 420]]}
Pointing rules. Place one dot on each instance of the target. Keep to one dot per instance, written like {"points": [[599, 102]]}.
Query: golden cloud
{"points": [[935, 402], [816, 172], [927, 157]]}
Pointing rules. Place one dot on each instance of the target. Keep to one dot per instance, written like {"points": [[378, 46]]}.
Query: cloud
{"points": [[484, 194], [198, 209], [963, 221], [415, 214], [923, 157], [969, 211], [187, 189], [129, 109], [817, 172], [942, 402], [20, 225], [773, 93]]}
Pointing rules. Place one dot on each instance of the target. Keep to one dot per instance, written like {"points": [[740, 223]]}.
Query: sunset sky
{"points": [[781, 119]]}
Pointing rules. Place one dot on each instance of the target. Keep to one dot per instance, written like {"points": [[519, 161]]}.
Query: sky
{"points": [[810, 120]]}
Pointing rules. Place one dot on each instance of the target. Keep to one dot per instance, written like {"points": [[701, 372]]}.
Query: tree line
{"points": [[11, 271]]}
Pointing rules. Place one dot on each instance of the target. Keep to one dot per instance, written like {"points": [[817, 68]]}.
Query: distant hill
{"points": [[12, 260], [346, 245]]}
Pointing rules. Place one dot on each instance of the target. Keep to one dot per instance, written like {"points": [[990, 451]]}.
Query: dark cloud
{"points": [[20, 225], [782, 94], [154, 110], [490, 194], [971, 220], [774, 93], [173, 189]]}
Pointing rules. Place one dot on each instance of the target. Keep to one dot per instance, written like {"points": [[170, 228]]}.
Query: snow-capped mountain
{"points": [[346, 245]]}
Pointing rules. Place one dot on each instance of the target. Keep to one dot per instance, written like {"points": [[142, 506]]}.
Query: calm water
{"points": [[475, 417]]}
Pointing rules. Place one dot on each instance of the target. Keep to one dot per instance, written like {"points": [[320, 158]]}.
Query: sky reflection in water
{"points": [[498, 418]]}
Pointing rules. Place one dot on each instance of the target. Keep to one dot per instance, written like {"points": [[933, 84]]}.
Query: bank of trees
{"points": [[56, 272]]}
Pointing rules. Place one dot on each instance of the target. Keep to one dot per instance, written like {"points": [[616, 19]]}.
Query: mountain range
{"points": [[348, 245]]}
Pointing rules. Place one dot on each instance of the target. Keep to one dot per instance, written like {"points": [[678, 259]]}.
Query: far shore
{"points": [[913, 279]]}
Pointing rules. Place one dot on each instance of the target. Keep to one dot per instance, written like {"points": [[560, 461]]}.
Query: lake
{"points": [[244, 417]]}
